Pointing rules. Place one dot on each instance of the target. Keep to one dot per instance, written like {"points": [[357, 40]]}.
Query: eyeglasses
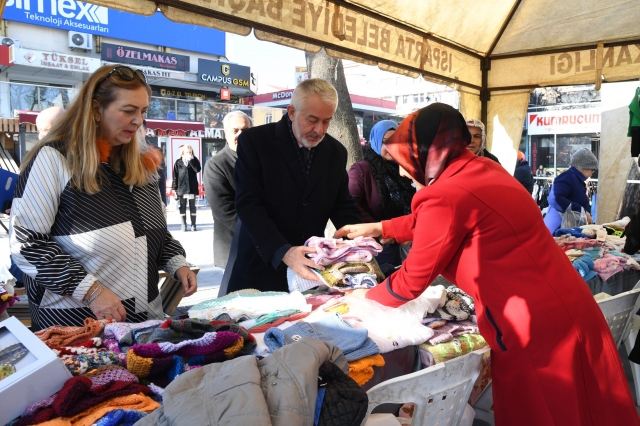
{"points": [[126, 74]]}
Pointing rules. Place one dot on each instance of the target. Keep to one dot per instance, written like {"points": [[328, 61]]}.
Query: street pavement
{"points": [[199, 248]]}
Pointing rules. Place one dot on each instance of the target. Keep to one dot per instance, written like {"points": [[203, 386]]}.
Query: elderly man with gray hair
{"points": [[220, 189], [291, 178], [46, 119]]}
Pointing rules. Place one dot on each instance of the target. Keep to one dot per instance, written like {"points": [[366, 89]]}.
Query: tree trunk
{"points": [[343, 126]]}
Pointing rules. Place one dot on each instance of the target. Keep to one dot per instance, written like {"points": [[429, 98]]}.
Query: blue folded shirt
{"points": [[355, 344]]}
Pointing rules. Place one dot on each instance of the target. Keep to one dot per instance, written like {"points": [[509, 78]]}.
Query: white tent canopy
{"points": [[494, 52]]}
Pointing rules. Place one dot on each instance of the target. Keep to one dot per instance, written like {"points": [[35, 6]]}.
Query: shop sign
{"points": [[208, 133], [149, 58], [283, 95], [76, 15], [53, 60], [572, 121], [222, 73], [225, 94]]}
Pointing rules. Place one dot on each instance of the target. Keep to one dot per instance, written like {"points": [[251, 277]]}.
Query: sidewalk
{"points": [[199, 248]]}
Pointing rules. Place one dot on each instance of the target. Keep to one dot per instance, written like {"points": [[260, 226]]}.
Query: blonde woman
{"points": [[87, 227], [185, 184]]}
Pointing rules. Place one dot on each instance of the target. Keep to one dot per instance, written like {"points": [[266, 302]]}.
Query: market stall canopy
{"points": [[529, 42], [492, 51]]}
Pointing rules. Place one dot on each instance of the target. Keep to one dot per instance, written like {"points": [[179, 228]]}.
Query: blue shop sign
{"points": [[81, 16]]}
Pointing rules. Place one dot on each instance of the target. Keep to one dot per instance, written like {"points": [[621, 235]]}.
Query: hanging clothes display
{"points": [[634, 124]]}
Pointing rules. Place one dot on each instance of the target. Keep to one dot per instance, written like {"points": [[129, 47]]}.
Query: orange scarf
{"points": [[151, 159]]}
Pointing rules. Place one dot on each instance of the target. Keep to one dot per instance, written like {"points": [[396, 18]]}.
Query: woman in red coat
{"points": [[554, 361]]}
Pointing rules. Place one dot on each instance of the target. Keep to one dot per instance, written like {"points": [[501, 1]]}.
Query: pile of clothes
{"points": [[596, 250], [122, 369], [453, 321], [347, 264]]}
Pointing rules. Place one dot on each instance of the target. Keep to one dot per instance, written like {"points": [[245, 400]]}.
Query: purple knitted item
{"points": [[208, 344], [113, 346], [116, 330]]}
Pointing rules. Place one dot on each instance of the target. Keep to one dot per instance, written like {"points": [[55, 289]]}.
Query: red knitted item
{"points": [[77, 396], [263, 328]]}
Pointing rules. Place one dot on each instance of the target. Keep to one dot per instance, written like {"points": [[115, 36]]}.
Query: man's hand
{"points": [[296, 260], [188, 279], [361, 230], [589, 219]]}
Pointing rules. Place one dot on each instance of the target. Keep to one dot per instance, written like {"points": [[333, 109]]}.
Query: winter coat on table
{"points": [[279, 390], [185, 177], [568, 189], [554, 361], [278, 208], [523, 175], [220, 191], [64, 240]]}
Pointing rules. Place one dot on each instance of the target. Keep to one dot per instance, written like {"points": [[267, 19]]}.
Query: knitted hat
{"points": [[362, 370], [584, 159], [64, 336]]}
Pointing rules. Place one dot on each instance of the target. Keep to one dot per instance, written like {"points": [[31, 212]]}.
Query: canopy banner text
{"points": [[568, 68]]}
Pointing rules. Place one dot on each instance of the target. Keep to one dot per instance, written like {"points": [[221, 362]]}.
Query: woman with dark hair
{"points": [[379, 189], [185, 184], [87, 227], [553, 361]]}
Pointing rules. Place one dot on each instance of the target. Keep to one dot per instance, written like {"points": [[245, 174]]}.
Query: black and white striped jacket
{"points": [[64, 240]]}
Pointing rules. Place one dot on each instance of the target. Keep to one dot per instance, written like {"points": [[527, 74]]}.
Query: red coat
{"points": [[554, 361]]}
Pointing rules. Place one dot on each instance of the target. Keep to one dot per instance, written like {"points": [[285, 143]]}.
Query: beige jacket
{"points": [[279, 390]]}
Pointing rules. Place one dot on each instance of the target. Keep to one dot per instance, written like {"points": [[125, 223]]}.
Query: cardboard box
{"points": [[38, 375]]}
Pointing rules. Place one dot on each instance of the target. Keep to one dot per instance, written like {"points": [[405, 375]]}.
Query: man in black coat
{"points": [[523, 172], [291, 178], [220, 189]]}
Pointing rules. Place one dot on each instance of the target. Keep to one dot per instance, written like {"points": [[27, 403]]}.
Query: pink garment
{"points": [[452, 329], [608, 265], [331, 250], [567, 242], [321, 299]]}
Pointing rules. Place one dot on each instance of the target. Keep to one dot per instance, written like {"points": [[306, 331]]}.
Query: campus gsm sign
{"points": [[564, 122]]}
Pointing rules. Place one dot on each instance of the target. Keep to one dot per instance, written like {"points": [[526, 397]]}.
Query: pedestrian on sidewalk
{"points": [[220, 189], [185, 184]]}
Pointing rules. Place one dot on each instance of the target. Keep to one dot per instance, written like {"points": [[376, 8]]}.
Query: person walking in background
{"points": [[523, 172], [478, 143], [378, 188], [185, 184], [46, 119], [220, 189], [569, 189]]}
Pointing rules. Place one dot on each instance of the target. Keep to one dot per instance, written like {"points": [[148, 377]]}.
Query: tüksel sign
{"points": [[37, 58], [564, 122]]}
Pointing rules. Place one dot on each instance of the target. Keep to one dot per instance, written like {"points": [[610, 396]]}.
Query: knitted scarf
{"points": [[395, 191], [427, 140]]}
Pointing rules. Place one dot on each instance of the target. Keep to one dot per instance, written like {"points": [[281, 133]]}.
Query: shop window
{"points": [[161, 109], [186, 111], [567, 145], [421, 97], [416, 98], [405, 99], [268, 118]]}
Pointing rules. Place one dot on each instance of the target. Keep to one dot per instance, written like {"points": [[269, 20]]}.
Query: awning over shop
{"points": [[175, 125], [27, 116]]}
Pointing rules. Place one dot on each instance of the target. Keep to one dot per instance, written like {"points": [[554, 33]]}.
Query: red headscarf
{"points": [[427, 140]]}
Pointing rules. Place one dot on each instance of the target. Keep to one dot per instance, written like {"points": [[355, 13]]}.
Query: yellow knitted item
{"points": [[88, 417], [138, 365], [362, 370], [232, 350]]}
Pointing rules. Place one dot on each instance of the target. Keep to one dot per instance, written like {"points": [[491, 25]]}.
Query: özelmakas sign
{"points": [[222, 73], [150, 58]]}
